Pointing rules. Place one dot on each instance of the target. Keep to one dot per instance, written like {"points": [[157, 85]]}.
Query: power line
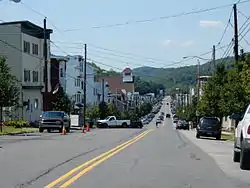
{"points": [[43, 15], [116, 51], [111, 51], [225, 30], [193, 12], [240, 34]]}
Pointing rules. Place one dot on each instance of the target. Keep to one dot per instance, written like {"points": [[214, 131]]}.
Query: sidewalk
{"points": [[221, 152]]}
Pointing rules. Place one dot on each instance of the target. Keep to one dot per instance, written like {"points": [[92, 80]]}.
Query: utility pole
{"points": [[84, 85], [198, 80], [236, 45], [103, 90], [213, 66], [45, 53], [198, 88]]}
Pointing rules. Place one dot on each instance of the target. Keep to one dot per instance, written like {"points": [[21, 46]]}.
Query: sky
{"points": [[162, 41]]}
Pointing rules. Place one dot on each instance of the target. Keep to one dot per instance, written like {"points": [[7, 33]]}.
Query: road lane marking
{"points": [[63, 177], [84, 171]]}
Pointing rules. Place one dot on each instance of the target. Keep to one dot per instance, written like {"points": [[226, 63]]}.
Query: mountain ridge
{"points": [[182, 77]]}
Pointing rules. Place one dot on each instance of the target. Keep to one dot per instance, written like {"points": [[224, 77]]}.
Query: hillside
{"points": [[181, 77]]}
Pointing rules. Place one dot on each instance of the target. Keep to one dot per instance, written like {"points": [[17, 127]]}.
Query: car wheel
{"points": [[244, 158], [124, 125], [197, 135], [41, 130], [236, 156], [218, 137], [60, 130], [68, 129]]}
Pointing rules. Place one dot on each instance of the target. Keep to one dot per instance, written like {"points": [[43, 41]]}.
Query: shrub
{"points": [[16, 124]]}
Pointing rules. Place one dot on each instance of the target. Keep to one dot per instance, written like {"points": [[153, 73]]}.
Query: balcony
{"points": [[32, 85]]}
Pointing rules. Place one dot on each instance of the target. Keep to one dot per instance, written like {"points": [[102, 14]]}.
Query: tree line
{"points": [[225, 93]]}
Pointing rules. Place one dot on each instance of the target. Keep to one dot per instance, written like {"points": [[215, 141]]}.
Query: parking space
{"points": [[222, 152]]}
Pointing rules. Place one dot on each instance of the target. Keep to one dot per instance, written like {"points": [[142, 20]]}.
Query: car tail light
{"points": [[248, 130]]}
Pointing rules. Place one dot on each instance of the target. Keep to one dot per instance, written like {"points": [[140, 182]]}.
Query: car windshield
{"points": [[53, 114], [107, 118], [209, 122]]}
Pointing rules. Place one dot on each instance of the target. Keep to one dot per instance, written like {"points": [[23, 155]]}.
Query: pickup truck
{"points": [[242, 139], [111, 121]]}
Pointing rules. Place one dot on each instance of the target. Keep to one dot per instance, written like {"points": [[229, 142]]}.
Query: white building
{"points": [[75, 80], [69, 73], [21, 43]]}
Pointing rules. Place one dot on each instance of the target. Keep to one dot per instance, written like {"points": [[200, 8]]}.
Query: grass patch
{"points": [[227, 137], [9, 130]]}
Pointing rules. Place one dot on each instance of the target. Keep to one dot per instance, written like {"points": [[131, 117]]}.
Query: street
{"points": [[152, 157]]}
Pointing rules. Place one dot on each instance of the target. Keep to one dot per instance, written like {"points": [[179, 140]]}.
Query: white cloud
{"points": [[172, 43], [210, 23], [187, 43]]}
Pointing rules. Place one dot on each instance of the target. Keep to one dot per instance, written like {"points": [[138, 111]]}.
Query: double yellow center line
{"points": [[93, 163]]}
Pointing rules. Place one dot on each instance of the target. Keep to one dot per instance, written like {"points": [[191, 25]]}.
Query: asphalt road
{"points": [[157, 157]]}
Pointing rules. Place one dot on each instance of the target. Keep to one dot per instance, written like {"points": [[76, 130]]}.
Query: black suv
{"points": [[209, 127]]}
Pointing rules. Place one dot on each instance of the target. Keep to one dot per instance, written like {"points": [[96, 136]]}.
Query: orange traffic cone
{"points": [[64, 132]]}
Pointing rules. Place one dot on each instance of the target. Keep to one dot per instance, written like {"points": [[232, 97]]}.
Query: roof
{"points": [[29, 28], [59, 58], [127, 70]]}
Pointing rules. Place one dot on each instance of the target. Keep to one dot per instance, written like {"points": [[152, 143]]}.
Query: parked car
{"points": [[209, 127], [182, 124], [242, 140], [54, 120], [136, 124], [161, 117], [112, 121], [158, 121]]}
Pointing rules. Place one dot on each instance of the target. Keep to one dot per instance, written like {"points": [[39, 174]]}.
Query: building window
{"points": [[27, 75], [77, 82], [81, 66], [35, 76], [78, 98], [36, 103], [26, 47], [35, 49], [82, 84], [61, 72]]}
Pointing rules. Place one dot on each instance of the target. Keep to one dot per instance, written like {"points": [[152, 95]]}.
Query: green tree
{"points": [[144, 87], [94, 112], [145, 108], [224, 93], [245, 78], [62, 101], [103, 110], [211, 101], [113, 111], [9, 90], [233, 96]]}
